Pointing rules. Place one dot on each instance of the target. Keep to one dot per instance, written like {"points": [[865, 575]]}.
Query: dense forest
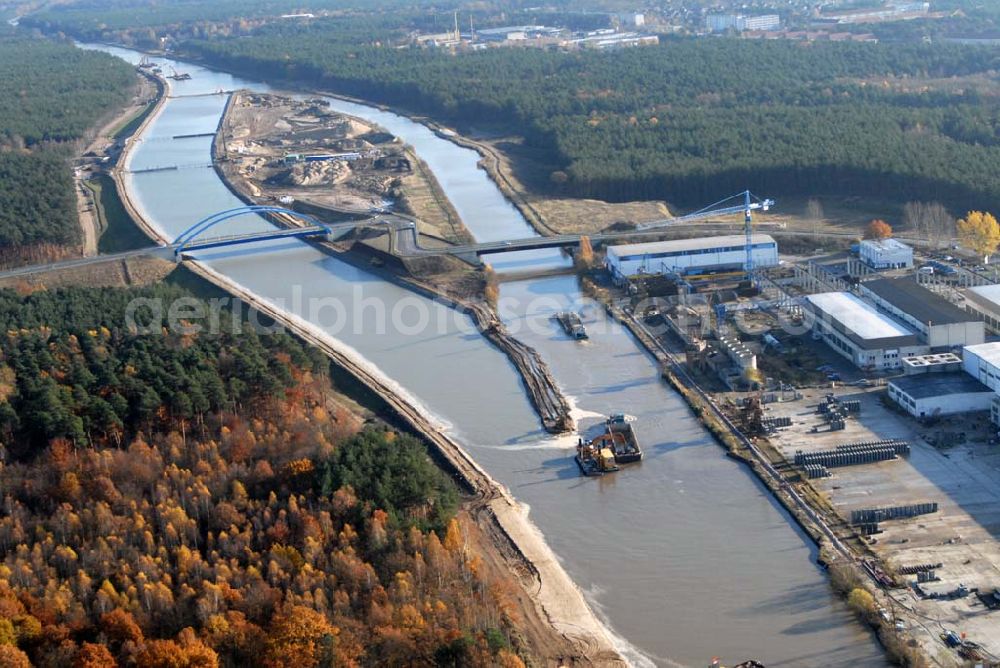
{"points": [[52, 92], [689, 120], [180, 500], [50, 95]]}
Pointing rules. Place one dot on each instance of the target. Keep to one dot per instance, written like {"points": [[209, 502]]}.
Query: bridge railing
{"points": [[207, 223]]}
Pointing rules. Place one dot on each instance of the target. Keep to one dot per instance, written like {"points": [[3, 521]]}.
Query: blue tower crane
{"points": [[748, 203]]}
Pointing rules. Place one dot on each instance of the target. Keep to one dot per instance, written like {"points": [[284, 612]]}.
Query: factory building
{"points": [[982, 362], [940, 324], [886, 254], [984, 302], [690, 256], [856, 330], [933, 395]]}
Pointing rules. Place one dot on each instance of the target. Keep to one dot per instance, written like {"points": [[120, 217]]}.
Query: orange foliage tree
{"points": [[878, 229]]}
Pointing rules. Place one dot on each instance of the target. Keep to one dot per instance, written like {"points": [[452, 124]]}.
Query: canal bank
{"points": [[685, 554]]}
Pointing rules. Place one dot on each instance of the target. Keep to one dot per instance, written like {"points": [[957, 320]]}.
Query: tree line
{"points": [[174, 499]]}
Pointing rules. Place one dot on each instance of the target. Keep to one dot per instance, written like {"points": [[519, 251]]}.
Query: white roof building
{"points": [[886, 254], [686, 256], [858, 331], [858, 317]]}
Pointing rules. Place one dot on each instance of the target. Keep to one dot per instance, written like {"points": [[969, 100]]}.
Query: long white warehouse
{"points": [[691, 256], [856, 330], [941, 324]]}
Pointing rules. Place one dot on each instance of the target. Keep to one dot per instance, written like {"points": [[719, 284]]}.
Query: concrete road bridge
{"points": [[404, 239]]}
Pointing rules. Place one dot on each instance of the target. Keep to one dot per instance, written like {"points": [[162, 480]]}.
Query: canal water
{"points": [[685, 555]]}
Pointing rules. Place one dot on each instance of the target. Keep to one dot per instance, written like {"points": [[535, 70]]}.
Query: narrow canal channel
{"points": [[684, 555]]}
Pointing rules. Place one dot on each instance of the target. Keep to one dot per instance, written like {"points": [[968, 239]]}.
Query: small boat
{"points": [[594, 461], [619, 437], [572, 324]]}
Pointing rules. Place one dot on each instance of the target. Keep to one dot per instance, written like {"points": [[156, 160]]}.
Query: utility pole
{"points": [[458, 35]]}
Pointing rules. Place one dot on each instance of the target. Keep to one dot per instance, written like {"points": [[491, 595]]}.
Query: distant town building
{"points": [[810, 35], [516, 33], [613, 40], [742, 22], [886, 254], [632, 20]]}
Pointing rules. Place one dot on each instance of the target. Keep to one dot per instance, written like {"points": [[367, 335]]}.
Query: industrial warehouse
{"points": [[935, 395], [691, 256], [856, 330], [940, 324]]}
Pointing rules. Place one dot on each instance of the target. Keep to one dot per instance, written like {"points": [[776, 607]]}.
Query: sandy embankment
{"points": [[566, 631]]}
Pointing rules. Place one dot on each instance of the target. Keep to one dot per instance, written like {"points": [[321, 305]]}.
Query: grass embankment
{"points": [[128, 127], [118, 231]]}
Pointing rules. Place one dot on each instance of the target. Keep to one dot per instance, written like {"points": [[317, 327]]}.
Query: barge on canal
{"points": [[572, 324], [619, 437]]}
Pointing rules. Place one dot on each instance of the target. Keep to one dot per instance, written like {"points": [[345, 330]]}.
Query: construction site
{"points": [[296, 152]]}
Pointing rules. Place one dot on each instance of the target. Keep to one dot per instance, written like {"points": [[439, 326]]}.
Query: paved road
{"points": [[404, 242], [163, 251]]}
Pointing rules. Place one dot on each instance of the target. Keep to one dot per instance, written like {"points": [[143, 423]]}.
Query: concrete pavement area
{"points": [[960, 473]]}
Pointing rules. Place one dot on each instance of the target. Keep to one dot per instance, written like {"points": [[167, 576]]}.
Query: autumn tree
{"points": [[878, 229], [980, 233], [585, 255], [862, 602], [92, 655], [300, 636], [491, 291], [12, 657]]}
